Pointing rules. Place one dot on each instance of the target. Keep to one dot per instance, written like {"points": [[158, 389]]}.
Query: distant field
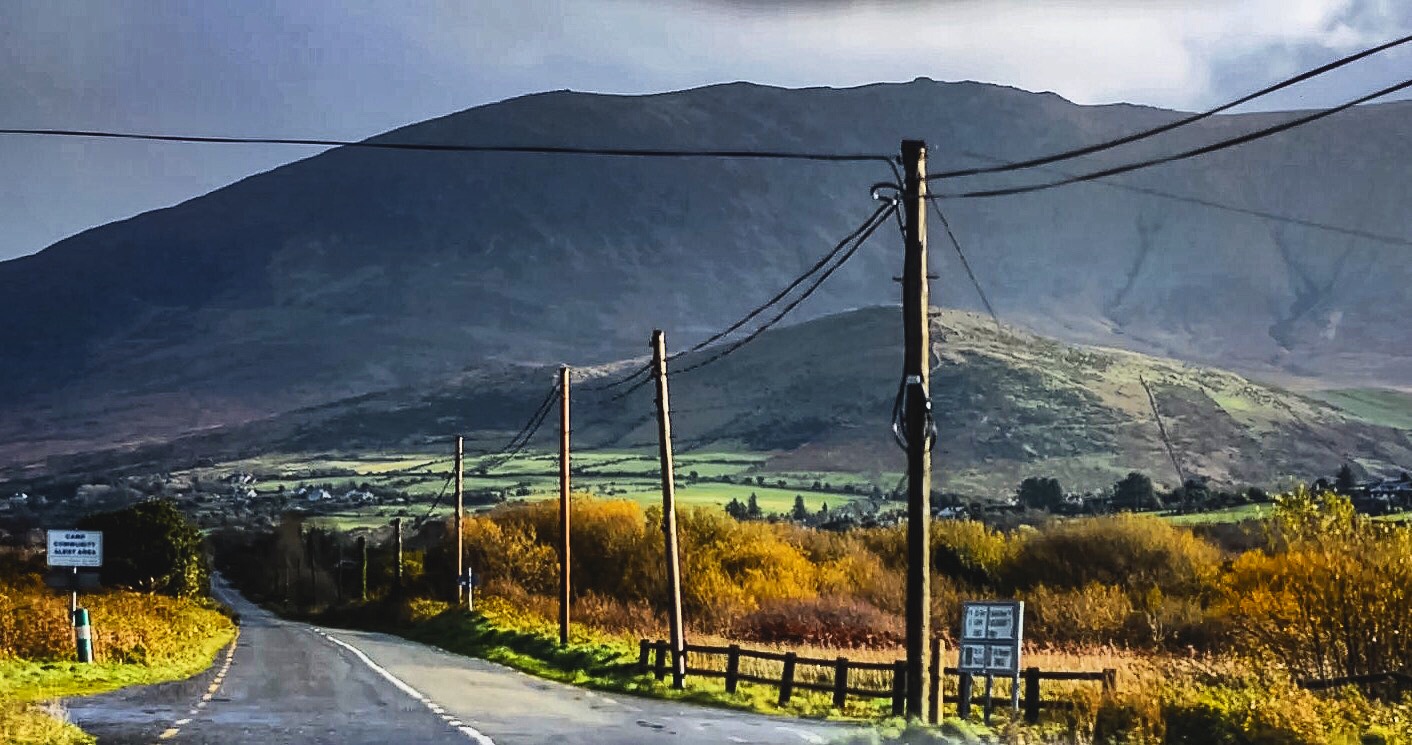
{"points": [[1381, 406], [1227, 515], [614, 474]]}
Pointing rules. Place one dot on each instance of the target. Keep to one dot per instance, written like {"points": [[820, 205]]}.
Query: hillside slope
{"points": [[357, 270], [818, 397]]}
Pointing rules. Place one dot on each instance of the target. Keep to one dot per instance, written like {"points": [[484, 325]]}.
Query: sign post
{"points": [[991, 636], [74, 549]]}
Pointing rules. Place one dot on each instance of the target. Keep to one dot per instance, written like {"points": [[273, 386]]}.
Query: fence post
{"points": [[840, 682], [1032, 695], [732, 668], [661, 660], [899, 687], [963, 695], [1110, 680], [934, 694], [787, 678], [644, 655]]}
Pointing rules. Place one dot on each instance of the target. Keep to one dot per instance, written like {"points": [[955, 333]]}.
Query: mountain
{"points": [[818, 397], [360, 270]]}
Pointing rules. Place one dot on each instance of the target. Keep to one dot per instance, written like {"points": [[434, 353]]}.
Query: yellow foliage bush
{"points": [[1333, 595], [128, 627], [1134, 552]]}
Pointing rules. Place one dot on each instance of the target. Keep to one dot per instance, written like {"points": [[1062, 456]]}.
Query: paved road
{"points": [[287, 682]]}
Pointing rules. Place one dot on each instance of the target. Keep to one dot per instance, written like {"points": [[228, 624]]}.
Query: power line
{"points": [[1213, 147], [873, 223], [1184, 121], [527, 433], [858, 236], [539, 413], [825, 259], [437, 501], [1263, 214], [461, 148], [614, 384], [965, 264], [752, 314]]}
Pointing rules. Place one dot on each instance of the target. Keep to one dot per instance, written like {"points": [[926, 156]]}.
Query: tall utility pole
{"points": [[460, 505], [917, 408], [669, 509], [363, 568], [564, 506]]}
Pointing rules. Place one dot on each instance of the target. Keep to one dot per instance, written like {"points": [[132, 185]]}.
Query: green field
{"points": [[1382, 406], [632, 475], [1227, 515]]}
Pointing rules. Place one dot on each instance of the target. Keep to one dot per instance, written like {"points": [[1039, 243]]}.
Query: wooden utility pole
{"points": [[397, 541], [309, 558], [669, 510], [460, 505], [917, 408], [363, 568], [564, 506]]}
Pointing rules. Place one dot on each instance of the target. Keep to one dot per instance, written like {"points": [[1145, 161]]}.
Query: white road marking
{"points": [[469, 732]]}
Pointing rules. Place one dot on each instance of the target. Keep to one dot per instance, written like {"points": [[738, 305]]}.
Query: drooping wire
{"points": [[751, 315], [531, 429], [796, 282], [1184, 121], [855, 241], [965, 264], [1204, 150], [645, 367], [539, 413], [464, 148], [1273, 216], [437, 501], [874, 222]]}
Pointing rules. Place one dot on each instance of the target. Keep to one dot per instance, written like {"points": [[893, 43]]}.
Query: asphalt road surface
{"points": [[287, 682]]}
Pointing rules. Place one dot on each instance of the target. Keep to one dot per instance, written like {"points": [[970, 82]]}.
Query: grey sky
{"points": [[349, 69]]}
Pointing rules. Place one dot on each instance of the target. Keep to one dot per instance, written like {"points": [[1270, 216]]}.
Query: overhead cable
{"points": [[441, 147], [1204, 150], [1184, 121]]}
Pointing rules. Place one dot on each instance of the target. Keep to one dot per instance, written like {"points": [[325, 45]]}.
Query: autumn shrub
{"points": [[824, 621], [1135, 552], [1331, 596], [730, 567], [34, 621], [1090, 615], [128, 627]]}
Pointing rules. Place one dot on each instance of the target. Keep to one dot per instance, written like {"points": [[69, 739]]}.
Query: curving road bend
{"points": [[289, 682]]}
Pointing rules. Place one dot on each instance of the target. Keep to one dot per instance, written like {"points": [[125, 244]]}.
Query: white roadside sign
{"points": [[75, 548]]}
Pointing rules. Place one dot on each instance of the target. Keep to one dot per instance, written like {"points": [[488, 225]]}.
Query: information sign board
{"points": [[991, 633], [75, 548]]}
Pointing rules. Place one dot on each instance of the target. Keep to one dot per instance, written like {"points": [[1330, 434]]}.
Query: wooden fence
{"points": [[842, 677]]}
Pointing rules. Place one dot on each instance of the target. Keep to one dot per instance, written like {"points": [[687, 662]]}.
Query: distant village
{"points": [[237, 498]]}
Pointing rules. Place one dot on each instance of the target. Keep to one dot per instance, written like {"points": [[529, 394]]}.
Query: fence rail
{"points": [[653, 658]]}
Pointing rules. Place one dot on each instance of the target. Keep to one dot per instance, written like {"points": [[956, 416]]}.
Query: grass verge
{"points": [[24, 683], [498, 633]]}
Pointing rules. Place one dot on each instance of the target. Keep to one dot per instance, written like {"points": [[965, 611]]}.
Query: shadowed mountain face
{"points": [[818, 396], [358, 270]]}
